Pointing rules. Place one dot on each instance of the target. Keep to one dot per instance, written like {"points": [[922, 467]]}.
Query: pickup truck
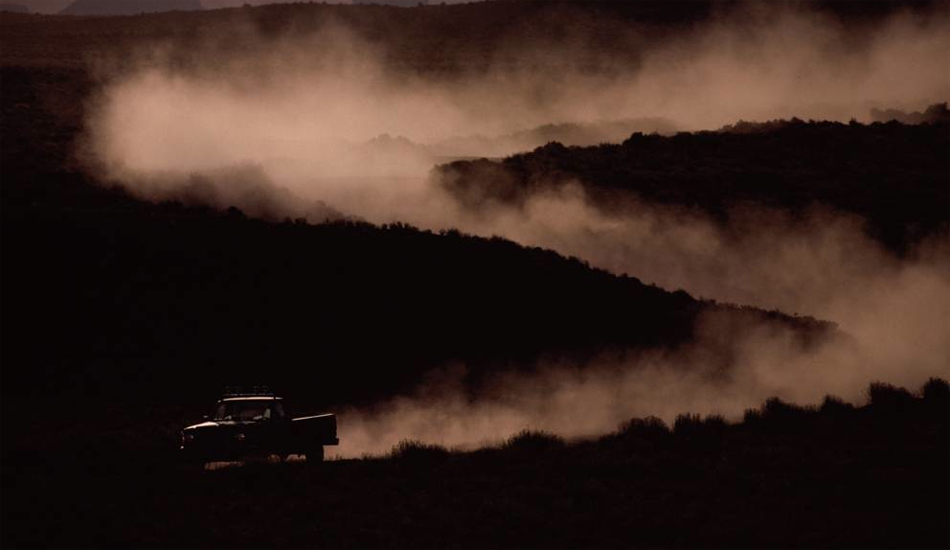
{"points": [[256, 424]]}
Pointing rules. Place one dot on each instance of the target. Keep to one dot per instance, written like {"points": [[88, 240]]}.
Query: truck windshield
{"points": [[249, 409]]}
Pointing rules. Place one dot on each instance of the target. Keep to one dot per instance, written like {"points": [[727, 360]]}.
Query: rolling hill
{"points": [[128, 7], [893, 175]]}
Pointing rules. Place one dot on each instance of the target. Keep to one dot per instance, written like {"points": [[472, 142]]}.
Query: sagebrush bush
{"points": [[649, 427], [881, 394], [534, 440], [936, 391], [834, 405], [776, 409], [694, 424], [775, 412], [751, 416], [409, 449]]}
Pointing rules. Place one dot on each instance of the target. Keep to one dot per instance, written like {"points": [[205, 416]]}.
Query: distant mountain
{"points": [[128, 7], [4, 6], [400, 3]]}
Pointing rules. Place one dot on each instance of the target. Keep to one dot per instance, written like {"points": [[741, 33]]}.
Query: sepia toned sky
{"points": [[55, 6]]}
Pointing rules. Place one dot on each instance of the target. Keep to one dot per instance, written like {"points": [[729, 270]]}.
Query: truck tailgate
{"points": [[319, 429]]}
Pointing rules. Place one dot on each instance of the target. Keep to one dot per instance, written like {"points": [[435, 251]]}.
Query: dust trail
{"points": [[325, 97], [588, 400]]}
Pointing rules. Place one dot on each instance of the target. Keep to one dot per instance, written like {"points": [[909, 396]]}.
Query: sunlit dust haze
{"points": [[320, 125], [894, 318]]}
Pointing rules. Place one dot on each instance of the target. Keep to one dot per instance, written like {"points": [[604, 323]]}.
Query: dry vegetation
{"points": [[835, 475]]}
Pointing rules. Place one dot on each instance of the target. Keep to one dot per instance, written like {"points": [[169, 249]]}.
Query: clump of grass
{"points": [[775, 408], [887, 396], [533, 440], [937, 392], [695, 425], [835, 406], [650, 427], [751, 416], [776, 413], [410, 449]]}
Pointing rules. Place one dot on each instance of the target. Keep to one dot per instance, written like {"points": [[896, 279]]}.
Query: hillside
{"points": [[128, 7], [145, 296], [893, 175], [191, 296], [142, 288]]}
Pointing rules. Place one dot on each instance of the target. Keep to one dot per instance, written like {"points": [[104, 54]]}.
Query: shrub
{"points": [[936, 392], [650, 427], [409, 449], [775, 413], [751, 416], [694, 424], [835, 406], [687, 422], [532, 440], [887, 396], [775, 408]]}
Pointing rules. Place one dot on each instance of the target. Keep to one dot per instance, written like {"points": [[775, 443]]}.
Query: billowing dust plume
{"points": [[894, 315], [317, 125], [328, 114]]}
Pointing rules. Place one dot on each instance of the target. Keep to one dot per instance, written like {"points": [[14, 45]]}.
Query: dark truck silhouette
{"points": [[256, 424]]}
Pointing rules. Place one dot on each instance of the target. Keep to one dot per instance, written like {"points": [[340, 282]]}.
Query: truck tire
{"points": [[315, 455]]}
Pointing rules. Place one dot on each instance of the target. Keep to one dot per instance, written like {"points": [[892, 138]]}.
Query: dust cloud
{"points": [[329, 101], [893, 315], [320, 126]]}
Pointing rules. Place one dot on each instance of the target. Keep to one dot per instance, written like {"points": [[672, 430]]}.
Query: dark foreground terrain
{"points": [[834, 476]]}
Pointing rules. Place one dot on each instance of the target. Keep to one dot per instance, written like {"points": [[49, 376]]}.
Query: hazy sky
{"points": [[42, 6], [54, 6]]}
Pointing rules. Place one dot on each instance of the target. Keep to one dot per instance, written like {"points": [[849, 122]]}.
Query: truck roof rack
{"points": [[248, 391]]}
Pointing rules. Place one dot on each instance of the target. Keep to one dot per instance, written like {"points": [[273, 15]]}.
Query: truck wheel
{"points": [[315, 455]]}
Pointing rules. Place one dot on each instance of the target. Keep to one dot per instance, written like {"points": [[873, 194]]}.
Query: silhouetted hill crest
{"points": [[129, 7], [862, 169], [935, 114]]}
